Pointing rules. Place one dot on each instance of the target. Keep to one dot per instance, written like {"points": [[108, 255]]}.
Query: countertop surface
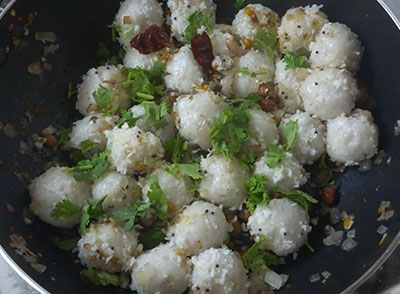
{"points": [[385, 281]]}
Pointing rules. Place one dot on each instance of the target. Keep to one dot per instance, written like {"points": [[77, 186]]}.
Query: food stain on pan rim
{"points": [[5, 5]]}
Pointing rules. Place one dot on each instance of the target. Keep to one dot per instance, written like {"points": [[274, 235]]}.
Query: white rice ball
{"points": [[351, 139], [133, 150], [175, 189], [108, 246], [222, 34], [253, 18], [120, 190], [91, 128], [284, 224], [183, 73], [195, 114], [299, 27], [256, 62], [328, 93], [336, 46], [165, 132], [161, 270], [288, 85], [135, 16], [309, 144], [288, 174], [181, 10], [134, 59], [218, 271], [262, 126], [223, 181], [108, 76], [200, 226], [51, 188]]}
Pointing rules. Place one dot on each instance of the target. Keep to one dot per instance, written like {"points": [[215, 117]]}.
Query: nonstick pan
{"points": [[80, 26]]}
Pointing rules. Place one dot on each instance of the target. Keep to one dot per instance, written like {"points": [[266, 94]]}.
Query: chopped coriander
{"points": [[230, 131], [258, 191], [100, 277], [194, 188], [255, 258], [293, 61], [239, 4], [245, 102], [275, 155], [290, 132], [153, 236], [196, 21], [186, 169], [246, 71], [309, 247], [325, 176], [92, 210], [127, 214], [157, 198], [127, 117], [66, 210], [71, 92], [155, 113], [103, 97], [63, 135], [123, 32], [176, 151], [92, 168], [145, 85], [248, 159], [87, 145], [64, 244], [266, 39], [103, 52]]}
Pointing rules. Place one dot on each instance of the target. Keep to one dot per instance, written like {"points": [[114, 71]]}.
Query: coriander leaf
{"points": [[196, 21], [63, 135], [66, 210], [155, 113], [103, 97], [157, 198], [92, 168], [300, 197], [309, 247], [92, 210], [115, 30], [266, 39], [290, 132], [127, 214], [245, 102], [186, 169], [194, 188], [86, 145], [275, 155], [127, 117], [294, 61], [100, 277], [255, 258], [325, 174], [246, 71], [239, 4], [258, 191], [154, 236], [248, 159], [230, 131], [176, 151], [145, 85], [64, 244]]}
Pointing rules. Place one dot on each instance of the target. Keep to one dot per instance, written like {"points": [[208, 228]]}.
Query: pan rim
{"points": [[7, 4]]}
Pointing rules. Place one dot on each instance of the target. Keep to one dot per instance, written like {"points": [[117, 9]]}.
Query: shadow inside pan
{"points": [[80, 26]]}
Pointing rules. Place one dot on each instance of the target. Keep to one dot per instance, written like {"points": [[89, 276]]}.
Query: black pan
{"points": [[80, 26]]}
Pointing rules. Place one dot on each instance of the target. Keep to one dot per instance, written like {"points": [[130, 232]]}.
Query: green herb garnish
{"points": [[176, 151], [327, 176], [255, 258], [118, 30], [71, 92], [103, 97], [266, 39], [64, 244], [244, 102], [196, 21], [239, 4], [87, 145], [275, 155], [246, 71], [293, 61], [290, 132], [153, 236], [155, 113], [100, 277], [191, 170], [66, 210], [157, 198], [90, 169], [127, 214]]}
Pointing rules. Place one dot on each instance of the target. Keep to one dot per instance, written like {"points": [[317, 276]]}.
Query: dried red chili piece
{"points": [[202, 52], [153, 39]]}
